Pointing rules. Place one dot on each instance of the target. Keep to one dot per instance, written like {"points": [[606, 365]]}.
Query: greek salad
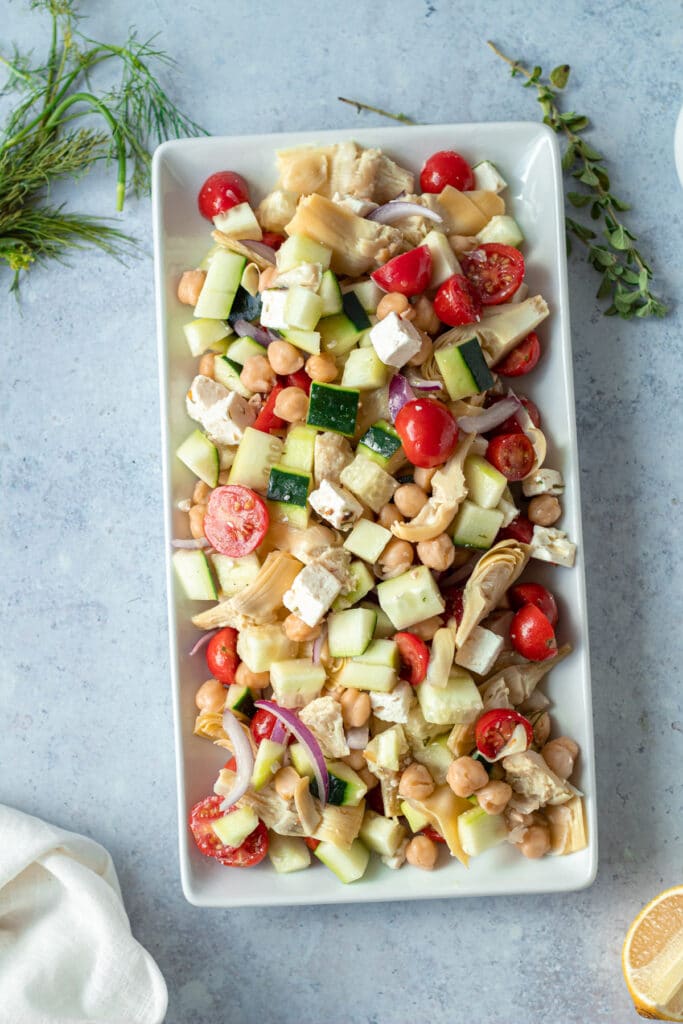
{"points": [[372, 494]]}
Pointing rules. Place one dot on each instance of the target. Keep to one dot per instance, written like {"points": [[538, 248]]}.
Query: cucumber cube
{"points": [[479, 831], [347, 789], [234, 828], [350, 632], [201, 456], [381, 652], [220, 286], [303, 308], [485, 485], [267, 762], [410, 598], [308, 341], [338, 334], [364, 370], [301, 761], [502, 229], [194, 574], [227, 373], [288, 853], [257, 454], [363, 582], [354, 310], [457, 703], [368, 294], [203, 334], [367, 540], [416, 819], [239, 222], [298, 249], [444, 261], [296, 682], [476, 527], [360, 676], [436, 756], [381, 835], [334, 408], [234, 574], [369, 482], [242, 349], [240, 699], [330, 293], [348, 865], [260, 646]]}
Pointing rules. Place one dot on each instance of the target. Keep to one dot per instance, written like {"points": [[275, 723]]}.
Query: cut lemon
{"points": [[652, 957]]}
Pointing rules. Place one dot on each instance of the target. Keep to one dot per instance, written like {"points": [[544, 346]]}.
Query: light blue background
{"points": [[86, 716]]}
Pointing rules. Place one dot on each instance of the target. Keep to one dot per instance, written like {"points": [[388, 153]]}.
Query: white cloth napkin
{"points": [[66, 950]]}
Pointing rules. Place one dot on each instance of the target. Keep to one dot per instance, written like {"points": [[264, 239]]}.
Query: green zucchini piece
{"points": [[240, 698], [380, 442], [464, 369], [222, 281], [334, 408], [353, 309], [347, 789], [288, 485], [245, 306], [227, 372]]}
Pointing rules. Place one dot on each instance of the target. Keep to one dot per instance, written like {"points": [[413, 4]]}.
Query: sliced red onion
{"points": [[244, 758], [400, 392], [304, 736], [190, 544], [359, 738], [260, 248], [490, 418], [279, 733], [397, 210], [318, 645], [420, 384], [244, 329], [202, 641], [272, 335]]}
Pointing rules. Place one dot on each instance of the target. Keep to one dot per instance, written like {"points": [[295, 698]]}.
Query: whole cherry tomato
{"points": [[220, 192], [221, 655], [446, 168], [414, 655], [428, 432], [502, 731], [495, 271], [512, 455], [250, 852], [534, 593], [522, 359], [456, 302], [408, 273], [532, 634]]}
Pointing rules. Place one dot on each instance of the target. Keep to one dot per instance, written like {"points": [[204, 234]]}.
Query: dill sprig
{"points": [[376, 110], [42, 141]]}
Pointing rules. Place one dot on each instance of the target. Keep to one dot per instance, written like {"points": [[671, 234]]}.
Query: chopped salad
{"points": [[371, 496]]}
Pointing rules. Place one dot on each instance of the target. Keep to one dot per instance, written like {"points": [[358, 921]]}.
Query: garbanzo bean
{"points": [[210, 697], [298, 630], [416, 783], [393, 302], [389, 514], [201, 493], [321, 368], [424, 352], [291, 405], [409, 499], [536, 842], [438, 553], [544, 510], [196, 514], [355, 760], [206, 365], [190, 285], [465, 776], [425, 317], [560, 755], [423, 477], [254, 680], [421, 852], [397, 556], [493, 797], [258, 375], [355, 706], [542, 729], [284, 358]]}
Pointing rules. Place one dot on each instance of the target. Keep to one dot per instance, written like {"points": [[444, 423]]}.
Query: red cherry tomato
{"points": [[495, 729], [253, 849], [520, 529], [299, 379], [511, 454], [231, 765], [532, 634], [266, 419], [446, 168], [221, 655], [454, 605], [262, 725], [220, 192], [512, 425], [534, 593], [414, 655], [428, 432], [408, 273], [456, 302], [495, 271], [273, 239], [236, 520], [522, 359], [432, 834], [311, 843]]}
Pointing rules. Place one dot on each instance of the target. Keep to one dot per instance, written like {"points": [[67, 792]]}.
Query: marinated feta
{"points": [[224, 414], [551, 545], [543, 481], [335, 504], [312, 593], [395, 340]]}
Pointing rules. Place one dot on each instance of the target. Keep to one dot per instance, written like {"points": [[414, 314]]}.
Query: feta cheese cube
{"points": [[509, 510], [224, 414], [543, 481], [273, 308], [312, 593], [395, 340], [394, 706], [551, 545], [335, 504], [480, 650], [361, 207]]}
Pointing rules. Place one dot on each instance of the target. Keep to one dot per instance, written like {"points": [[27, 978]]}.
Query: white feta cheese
{"points": [[480, 650], [335, 504], [312, 593], [395, 340], [394, 706], [551, 545], [488, 177], [361, 207], [306, 275], [509, 510], [273, 308], [224, 414], [543, 481]]}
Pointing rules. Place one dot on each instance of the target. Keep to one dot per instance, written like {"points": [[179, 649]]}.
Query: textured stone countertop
{"points": [[86, 715]]}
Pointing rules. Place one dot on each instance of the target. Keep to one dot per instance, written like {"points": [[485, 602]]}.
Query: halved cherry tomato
{"points": [[522, 359], [311, 843], [414, 655], [273, 239], [408, 273], [532, 634], [454, 606], [236, 520], [266, 419], [456, 302], [495, 271], [262, 725], [432, 834], [299, 379], [428, 432], [253, 849], [534, 593], [231, 765], [446, 168], [496, 728], [520, 529], [511, 454], [220, 192], [221, 655], [512, 425]]}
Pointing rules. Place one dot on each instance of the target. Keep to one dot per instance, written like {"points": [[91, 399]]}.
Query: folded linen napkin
{"points": [[66, 950]]}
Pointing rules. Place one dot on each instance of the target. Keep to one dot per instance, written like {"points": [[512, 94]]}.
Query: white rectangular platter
{"points": [[528, 157]]}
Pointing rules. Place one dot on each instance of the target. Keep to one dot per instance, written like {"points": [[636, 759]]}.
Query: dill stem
{"points": [[376, 110]]}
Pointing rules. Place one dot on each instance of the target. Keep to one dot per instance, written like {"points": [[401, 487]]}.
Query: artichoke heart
{"points": [[448, 490], [492, 575]]}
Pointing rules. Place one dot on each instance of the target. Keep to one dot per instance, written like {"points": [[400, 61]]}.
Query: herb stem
{"points": [[376, 110]]}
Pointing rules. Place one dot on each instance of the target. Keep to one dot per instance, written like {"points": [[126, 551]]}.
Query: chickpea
{"points": [[493, 797], [284, 358], [416, 782], [322, 368], [393, 302], [425, 317], [427, 628], [389, 514], [438, 553], [201, 493], [355, 707], [285, 782], [370, 780], [196, 514], [544, 510], [424, 352], [190, 285], [266, 278], [291, 405], [206, 365], [397, 556], [542, 728], [257, 374], [423, 477], [298, 630], [409, 499], [465, 776], [421, 852], [254, 680], [210, 697], [355, 760], [560, 755], [536, 842]]}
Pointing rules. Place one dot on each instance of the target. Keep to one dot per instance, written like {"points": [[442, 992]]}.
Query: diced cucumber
{"points": [[220, 286], [457, 703], [364, 370], [479, 831], [350, 632], [260, 646], [367, 540], [227, 373], [416, 819], [444, 261], [338, 334], [234, 828], [239, 222], [288, 853], [488, 178], [298, 249], [464, 369], [203, 334], [384, 628], [363, 582], [288, 485], [307, 341], [348, 865], [381, 835], [436, 756], [502, 229], [369, 482], [296, 681], [246, 306], [200, 456], [368, 294], [362, 676], [410, 598], [347, 789], [268, 761], [475, 527], [353, 309], [234, 574], [380, 442], [257, 454], [242, 349], [381, 652], [303, 308], [240, 698], [330, 293], [387, 748], [301, 761], [194, 574], [334, 408], [485, 485], [300, 448]]}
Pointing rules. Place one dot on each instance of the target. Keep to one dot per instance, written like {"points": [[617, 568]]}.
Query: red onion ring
{"points": [[490, 418], [420, 384], [202, 640], [279, 733], [304, 736], [243, 329], [359, 738], [191, 544], [260, 248], [244, 758], [400, 392], [396, 209]]}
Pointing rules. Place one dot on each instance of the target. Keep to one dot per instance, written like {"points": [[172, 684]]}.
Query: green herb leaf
{"points": [[579, 198], [559, 76]]}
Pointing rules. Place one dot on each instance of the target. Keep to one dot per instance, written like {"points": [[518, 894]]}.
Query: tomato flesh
{"points": [[520, 529], [512, 425], [522, 359], [298, 379], [221, 655], [495, 729], [532, 634], [408, 273], [454, 604], [311, 843], [432, 834], [428, 432], [273, 239], [446, 168], [495, 271], [236, 520], [262, 725], [220, 192], [456, 302], [512, 455], [534, 593], [252, 850], [266, 419], [414, 655]]}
